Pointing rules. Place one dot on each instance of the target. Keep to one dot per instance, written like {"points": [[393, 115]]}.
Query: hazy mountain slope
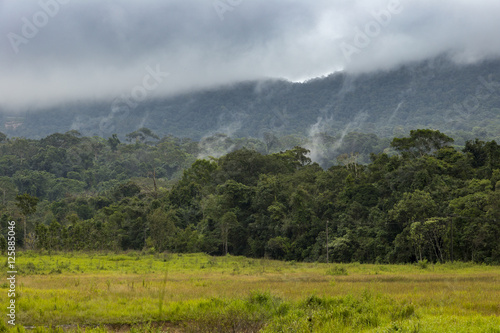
{"points": [[435, 94]]}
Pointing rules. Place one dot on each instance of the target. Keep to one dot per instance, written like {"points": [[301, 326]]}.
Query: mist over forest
{"points": [[460, 100]]}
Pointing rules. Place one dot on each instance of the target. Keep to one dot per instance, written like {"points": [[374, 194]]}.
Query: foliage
{"points": [[433, 202]]}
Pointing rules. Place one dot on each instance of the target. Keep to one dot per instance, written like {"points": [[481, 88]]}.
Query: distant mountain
{"points": [[433, 94]]}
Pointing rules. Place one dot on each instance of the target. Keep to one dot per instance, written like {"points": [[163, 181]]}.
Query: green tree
{"points": [[278, 247], [417, 238], [226, 223], [113, 142], [3, 244], [413, 207], [142, 135], [421, 142], [163, 230], [27, 204], [436, 231], [7, 190]]}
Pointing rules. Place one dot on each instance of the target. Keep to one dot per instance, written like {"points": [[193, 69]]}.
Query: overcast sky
{"points": [[55, 51]]}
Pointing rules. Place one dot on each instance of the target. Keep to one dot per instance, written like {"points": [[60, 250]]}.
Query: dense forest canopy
{"points": [[419, 199]]}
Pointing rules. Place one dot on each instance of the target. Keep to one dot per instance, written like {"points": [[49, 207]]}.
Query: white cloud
{"points": [[99, 49]]}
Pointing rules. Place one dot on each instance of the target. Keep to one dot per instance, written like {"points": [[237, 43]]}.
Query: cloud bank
{"points": [[56, 51]]}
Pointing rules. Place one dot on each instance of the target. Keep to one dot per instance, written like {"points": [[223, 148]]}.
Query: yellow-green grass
{"points": [[203, 293]]}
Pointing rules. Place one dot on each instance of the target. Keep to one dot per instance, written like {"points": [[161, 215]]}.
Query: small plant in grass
{"points": [[423, 264], [404, 312], [3, 326], [31, 268], [403, 326], [314, 301], [263, 299], [212, 261], [337, 270], [56, 271]]}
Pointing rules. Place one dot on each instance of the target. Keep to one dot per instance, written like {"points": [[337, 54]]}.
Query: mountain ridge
{"points": [[431, 94]]}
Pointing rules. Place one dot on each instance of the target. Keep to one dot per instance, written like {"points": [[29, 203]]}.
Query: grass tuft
{"points": [[337, 270]]}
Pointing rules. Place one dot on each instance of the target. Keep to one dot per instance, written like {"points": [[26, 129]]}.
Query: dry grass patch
{"points": [[194, 291]]}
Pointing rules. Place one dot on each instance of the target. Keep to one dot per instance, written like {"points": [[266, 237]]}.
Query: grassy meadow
{"points": [[101, 292]]}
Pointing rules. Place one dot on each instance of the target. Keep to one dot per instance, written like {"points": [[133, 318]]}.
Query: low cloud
{"points": [[54, 51]]}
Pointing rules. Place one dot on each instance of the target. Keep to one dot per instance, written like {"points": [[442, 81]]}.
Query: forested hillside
{"points": [[420, 199], [460, 100]]}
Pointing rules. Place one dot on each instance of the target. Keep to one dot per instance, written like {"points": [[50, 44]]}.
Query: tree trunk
{"points": [[225, 236], [154, 179], [24, 235], [327, 249]]}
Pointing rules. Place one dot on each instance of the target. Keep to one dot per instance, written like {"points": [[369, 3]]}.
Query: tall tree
{"points": [[421, 142], [113, 142], [226, 223], [27, 204]]}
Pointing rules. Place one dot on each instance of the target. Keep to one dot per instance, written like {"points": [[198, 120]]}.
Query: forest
{"points": [[460, 100], [421, 198]]}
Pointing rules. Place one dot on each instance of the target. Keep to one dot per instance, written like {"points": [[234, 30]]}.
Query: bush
{"points": [[3, 244], [423, 264], [337, 270], [403, 312]]}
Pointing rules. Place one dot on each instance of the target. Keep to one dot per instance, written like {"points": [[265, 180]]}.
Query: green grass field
{"points": [[199, 293]]}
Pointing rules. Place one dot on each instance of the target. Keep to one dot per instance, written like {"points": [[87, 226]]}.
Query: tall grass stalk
{"points": [[162, 292]]}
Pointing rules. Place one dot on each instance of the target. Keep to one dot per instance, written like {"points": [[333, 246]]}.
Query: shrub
{"points": [[423, 264], [337, 270]]}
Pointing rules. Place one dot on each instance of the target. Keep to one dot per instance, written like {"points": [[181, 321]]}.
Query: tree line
{"points": [[421, 199]]}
